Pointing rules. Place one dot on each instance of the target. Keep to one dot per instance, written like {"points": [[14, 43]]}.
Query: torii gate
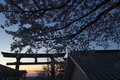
{"points": [[18, 56]]}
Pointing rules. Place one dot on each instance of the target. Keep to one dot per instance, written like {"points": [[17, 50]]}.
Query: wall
{"points": [[78, 74]]}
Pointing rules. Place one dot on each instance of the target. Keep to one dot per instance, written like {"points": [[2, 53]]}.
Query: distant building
{"points": [[7, 73], [98, 65]]}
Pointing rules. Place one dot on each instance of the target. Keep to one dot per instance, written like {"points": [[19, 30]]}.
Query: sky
{"points": [[6, 40]]}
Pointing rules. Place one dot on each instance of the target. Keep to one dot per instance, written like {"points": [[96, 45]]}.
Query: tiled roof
{"points": [[102, 65], [8, 70]]}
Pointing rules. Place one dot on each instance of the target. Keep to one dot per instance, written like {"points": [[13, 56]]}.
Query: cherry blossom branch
{"points": [[88, 25]]}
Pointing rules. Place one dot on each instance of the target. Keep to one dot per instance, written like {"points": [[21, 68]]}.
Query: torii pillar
{"points": [[52, 68], [17, 62]]}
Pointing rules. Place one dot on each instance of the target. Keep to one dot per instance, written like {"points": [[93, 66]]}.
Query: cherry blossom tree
{"points": [[62, 24]]}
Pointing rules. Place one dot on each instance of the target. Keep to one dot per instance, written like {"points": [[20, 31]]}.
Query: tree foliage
{"points": [[62, 24]]}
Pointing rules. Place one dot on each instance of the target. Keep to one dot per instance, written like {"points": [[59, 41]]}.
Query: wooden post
{"points": [[52, 68]]}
